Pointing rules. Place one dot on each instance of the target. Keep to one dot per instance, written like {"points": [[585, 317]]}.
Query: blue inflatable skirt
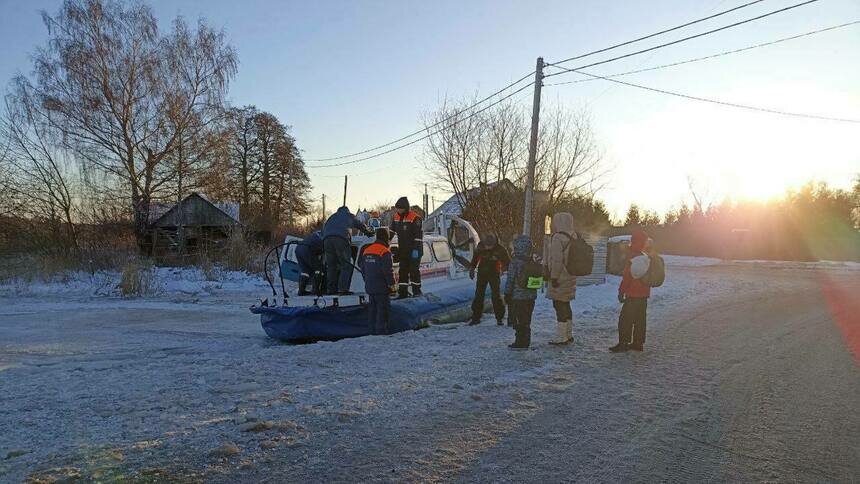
{"points": [[311, 323]]}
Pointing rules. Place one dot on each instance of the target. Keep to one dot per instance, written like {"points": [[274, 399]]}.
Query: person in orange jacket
{"points": [[376, 266], [410, 243], [633, 294]]}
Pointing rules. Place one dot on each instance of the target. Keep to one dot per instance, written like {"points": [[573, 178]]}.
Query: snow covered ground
{"points": [[184, 385], [168, 282]]}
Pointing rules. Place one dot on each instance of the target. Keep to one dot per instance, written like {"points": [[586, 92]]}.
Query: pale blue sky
{"points": [[349, 75]]}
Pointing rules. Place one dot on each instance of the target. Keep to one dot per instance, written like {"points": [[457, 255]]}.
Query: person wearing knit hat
{"points": [[410, 242]]}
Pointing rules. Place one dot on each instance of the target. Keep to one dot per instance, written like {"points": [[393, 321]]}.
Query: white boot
{"points": [[568, 332], [560, 334]]}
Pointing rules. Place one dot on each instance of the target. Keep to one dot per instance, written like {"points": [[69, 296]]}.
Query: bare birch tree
{"points": [[123, 95]]}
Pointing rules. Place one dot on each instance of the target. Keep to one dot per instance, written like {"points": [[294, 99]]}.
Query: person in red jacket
{"points": [[633, 294]]}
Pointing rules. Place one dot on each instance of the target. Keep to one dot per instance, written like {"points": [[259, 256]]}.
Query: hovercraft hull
{"points": [[312, 323]]}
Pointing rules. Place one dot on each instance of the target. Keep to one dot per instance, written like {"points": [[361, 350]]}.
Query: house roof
{"points": [[158, 212], [454, 205]]}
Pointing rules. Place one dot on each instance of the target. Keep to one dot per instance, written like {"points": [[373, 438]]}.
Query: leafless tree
{"points": [[40, 176], [568, 158], [123, 95], [474, 147]]}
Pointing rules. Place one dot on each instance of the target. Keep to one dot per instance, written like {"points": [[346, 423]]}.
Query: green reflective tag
{"points": [[535, 282]]}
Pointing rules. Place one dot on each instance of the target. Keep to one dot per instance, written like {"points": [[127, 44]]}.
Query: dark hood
{"points": [[403, 203]]}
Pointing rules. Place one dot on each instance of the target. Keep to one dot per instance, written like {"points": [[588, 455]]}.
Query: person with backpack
{"points": [[523, 281], [338, 252], [641, 272], [562, 281], [377, 267], [410, 242], [490, 260]]}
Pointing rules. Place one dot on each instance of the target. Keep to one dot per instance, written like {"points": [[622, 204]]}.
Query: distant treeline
{"points": [[813, 223]]}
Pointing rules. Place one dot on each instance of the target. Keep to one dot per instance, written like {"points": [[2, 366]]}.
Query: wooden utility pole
{"points": [[344, 190], [323, 207], [530, 174], [426, 202]]}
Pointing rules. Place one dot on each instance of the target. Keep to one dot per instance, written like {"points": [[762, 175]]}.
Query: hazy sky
{"points": [[348, 75]]}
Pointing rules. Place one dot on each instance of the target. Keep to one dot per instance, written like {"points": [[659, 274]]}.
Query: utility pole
{"points": [[426, 202], [323, 208], [530, 176], [344, 190]]}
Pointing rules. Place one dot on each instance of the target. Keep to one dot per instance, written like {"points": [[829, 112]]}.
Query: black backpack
{"points": [[580, 255], [656, 273], [532, 275]]}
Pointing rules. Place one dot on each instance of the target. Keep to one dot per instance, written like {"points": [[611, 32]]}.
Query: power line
{"points": [[656, 33], [390, 165], [357, 153], [712, 56], [723, 103], [667, 44], [459, 112]]}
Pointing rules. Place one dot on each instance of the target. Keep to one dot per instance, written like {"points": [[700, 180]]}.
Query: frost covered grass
{"points": [[138, 279]]}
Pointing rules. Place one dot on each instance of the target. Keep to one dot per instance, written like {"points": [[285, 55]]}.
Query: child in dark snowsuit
{"points": [[490, 260], [378, 270], [522, 298]]}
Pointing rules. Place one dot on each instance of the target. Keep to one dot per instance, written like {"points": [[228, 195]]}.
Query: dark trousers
{"points": [[522, 310], [311, 274], [563, 311], [631, 323], [408, 275], [491, 279], [338, 264], [380, 308]]}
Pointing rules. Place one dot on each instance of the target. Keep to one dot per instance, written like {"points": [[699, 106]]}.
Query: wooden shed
{"points": [[192, 225]]}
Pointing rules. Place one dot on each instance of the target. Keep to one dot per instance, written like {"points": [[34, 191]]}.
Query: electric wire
{"points": [[459, 112], [657, 33], [565, 70], [712, 56], [723, 103], [477, 103]]}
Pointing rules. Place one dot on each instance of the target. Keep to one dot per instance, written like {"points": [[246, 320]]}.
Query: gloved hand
{"points": [[554, 282], [472, 274], [621, 297], [370, 232], [416, 254], [392, 288]]}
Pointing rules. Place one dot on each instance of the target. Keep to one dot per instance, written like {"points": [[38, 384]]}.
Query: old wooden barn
{"points": [[193, 225]]}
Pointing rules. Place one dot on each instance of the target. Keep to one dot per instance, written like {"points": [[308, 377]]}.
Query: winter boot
{"points": [[636, 347], [619, 348], [561, 334], [304, 280]]}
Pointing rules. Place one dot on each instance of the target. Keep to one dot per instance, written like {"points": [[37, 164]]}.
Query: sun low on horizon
{"points": [[722, 153]]}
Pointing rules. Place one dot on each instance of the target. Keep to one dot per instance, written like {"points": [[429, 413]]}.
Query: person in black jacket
{"points": [[490, 260], [309, 256], [377, 268], [338, 252], [410, 242]]}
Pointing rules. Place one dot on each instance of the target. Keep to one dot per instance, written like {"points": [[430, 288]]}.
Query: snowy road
{"points": [[750, 373]]}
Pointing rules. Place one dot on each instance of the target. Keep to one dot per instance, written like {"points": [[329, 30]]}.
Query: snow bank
{"points": [[167, 281], [787, 264], [688, 261]]}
